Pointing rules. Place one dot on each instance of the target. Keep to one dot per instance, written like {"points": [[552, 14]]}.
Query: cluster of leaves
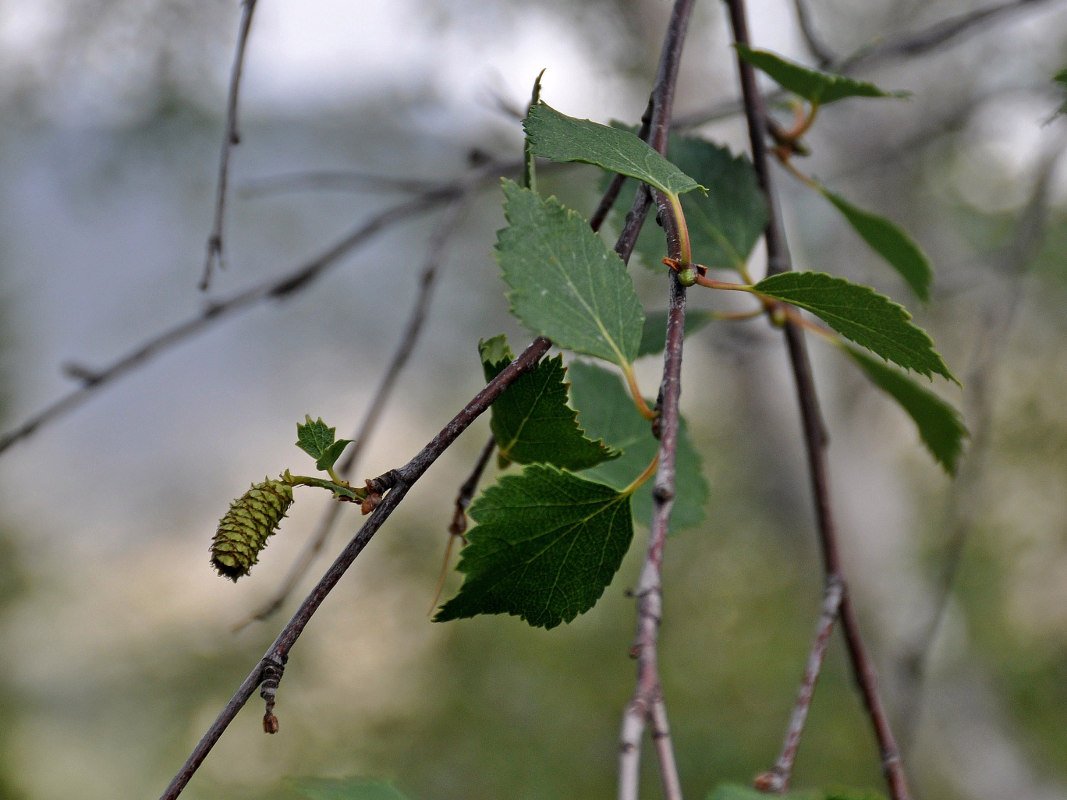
{"points": [[549, 540], [550, 536]]}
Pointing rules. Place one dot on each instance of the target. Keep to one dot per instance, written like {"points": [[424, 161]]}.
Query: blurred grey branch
{"points": [[967, 500], [230, 139], [886, 50], [280, 288]]}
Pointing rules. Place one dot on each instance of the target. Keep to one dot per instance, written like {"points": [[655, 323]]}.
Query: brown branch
{"points": [[398, 483], [647, 705], [229, 140], [466, 491], [814, 432], [92, 380], [409, 337]]}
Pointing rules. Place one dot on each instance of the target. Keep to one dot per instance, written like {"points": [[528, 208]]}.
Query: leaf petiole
{"points": [[641, 479], [635, 392], [341, 489], [685, 247]]}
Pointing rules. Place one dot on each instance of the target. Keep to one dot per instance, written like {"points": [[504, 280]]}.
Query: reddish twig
{"points": [[814, 432], [230, 139]]}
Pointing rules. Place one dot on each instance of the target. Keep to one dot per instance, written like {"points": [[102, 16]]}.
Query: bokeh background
{"points": [[118, 639]]}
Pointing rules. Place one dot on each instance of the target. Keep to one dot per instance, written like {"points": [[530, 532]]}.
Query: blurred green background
{"points": [[119, 647]]}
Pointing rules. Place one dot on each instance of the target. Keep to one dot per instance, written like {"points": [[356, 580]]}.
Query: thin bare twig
{"points": [[647, 705], [409, 337], [229, 140], [333, 180], [92, 380], [907, 45], [777, 778], [814, 432], [466, 491], [400, 480]]}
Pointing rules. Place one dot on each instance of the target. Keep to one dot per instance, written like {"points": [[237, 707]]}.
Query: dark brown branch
{"points": [[401, 480], [409, 337], [277, 288], [647, 705], [466, 491], [229, 140], [814, 432]]}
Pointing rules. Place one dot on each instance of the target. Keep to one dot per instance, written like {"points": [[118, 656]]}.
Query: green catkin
{"points": [[244, 529]]}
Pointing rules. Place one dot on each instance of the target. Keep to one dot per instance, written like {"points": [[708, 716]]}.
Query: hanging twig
{"points": [[92, 380], [409, 337], [229, 140], [814, 431], [398, 483], [777, 778], [647, 705]]}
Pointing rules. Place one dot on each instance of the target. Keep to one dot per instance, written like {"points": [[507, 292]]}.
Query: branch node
{"points": [[268, 689], [772, 782]]}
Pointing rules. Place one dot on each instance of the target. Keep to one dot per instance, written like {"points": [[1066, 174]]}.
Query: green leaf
{"points": [[317, 440], [567, 284], [546, 545], [859, 313], [654, 336], [814, 86], [890, 242], [605, 409], [725, 225], [940, 426], [557, 137], [344, 789], [531, 421]]}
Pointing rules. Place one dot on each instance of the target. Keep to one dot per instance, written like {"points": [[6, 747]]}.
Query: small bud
{"points": [[244, 529], [687, 276]]}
